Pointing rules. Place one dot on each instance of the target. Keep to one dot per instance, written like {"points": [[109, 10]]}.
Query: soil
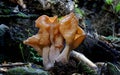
{"points": [[66, 69]]}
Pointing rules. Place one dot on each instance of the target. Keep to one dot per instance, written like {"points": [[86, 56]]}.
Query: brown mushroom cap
{"points": [[79, 37], [33, 42], [68, 27]]}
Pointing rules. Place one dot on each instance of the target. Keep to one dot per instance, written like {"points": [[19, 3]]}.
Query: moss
{"points": [[26, 71], [86, 69]]}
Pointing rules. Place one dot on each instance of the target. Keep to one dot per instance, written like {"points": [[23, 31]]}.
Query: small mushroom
{"points": [[72, 34], [48, 40], [42, 39]]}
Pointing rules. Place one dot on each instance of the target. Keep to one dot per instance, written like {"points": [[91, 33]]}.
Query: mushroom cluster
{"points": [[56, 38]]}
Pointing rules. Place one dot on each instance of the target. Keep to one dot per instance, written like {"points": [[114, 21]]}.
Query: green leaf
{"points": [[6, 11], [109, 2], [60, 18], [21, 49], [117, 8], [86, 69], [113, 69], [79, 11], [20, 14]]}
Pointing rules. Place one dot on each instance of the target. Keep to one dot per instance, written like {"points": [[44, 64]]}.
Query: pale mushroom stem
{"points": [[64, 56], [45, 55], [54, 52]]}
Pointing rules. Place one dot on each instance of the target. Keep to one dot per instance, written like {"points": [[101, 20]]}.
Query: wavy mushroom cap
{"points": [[79, 37], [68, 27]]}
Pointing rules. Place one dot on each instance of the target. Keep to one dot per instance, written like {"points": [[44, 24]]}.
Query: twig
{"points": [[13, 64], [81, 57]]}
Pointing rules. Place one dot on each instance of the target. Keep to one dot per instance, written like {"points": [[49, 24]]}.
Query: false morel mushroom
{"points": [[55, 39]]}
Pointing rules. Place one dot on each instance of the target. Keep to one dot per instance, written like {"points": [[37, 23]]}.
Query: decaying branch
{"points": [[13, 64], [5, 67], [81, 57]]}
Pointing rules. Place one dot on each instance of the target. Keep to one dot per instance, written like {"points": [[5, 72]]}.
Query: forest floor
{"points": [[99, 20]]}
